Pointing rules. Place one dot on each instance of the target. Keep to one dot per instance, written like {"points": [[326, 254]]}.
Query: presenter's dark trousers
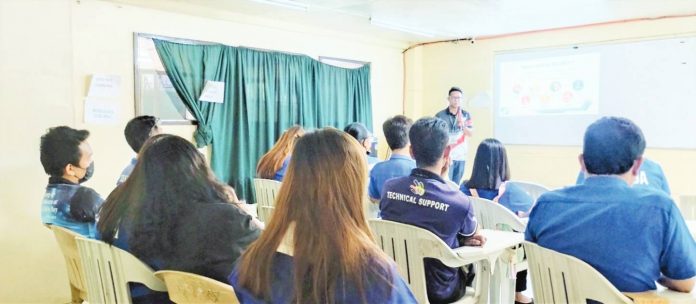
{"points": [[456, 171]]}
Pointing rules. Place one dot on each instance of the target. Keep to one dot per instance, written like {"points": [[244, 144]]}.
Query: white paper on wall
{"points": [[100, 111], [103, 85], [214, 91]]}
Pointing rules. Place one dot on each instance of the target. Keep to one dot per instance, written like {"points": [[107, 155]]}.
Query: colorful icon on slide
{"points": [[578, 85]]}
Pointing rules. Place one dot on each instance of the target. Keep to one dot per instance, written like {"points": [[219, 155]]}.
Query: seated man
{"points": [[634, 236], [67, 158], [650, 175], [362, 135], [137, 131], [400, 163], [425, 199]]}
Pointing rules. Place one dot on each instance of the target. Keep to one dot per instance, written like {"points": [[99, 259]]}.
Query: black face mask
{"points": [[88, 173]]}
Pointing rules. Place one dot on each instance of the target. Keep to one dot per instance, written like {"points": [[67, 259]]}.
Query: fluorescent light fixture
{"points": [[401, 28], [291, 4]]}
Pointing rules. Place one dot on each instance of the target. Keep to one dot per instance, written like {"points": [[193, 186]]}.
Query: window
{"points": [[154, 93]]}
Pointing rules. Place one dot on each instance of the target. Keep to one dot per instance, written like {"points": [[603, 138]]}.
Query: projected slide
{"points": [[564, 85]]}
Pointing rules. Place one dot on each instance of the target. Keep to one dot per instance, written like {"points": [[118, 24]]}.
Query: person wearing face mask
{"points": [[66, 157]]}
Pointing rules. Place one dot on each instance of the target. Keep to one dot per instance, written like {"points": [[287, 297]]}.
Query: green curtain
{"points": [[265, 93]]}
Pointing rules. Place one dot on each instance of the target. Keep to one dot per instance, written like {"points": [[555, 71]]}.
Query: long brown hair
{"points": [[323, 192], [271, 162]]}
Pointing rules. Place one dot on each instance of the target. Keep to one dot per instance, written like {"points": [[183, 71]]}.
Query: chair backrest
{"points": [[109, 269], [191, 288], [266, 191], [491, 215], [687, 206], [561, 278], [408, 245], [66, 241], [533, 189]]}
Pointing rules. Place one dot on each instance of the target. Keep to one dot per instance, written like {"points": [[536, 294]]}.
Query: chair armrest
{"points": [[646, 297]]}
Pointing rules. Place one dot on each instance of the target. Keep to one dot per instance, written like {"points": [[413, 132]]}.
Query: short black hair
{"points": [[454, 89], [611, 145], [429, 137], [396, 131], [60, 146], [357, 130], [138, 130]]}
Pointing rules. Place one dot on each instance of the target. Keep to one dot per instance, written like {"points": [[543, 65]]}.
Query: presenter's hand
{"points": [[468, 132]]}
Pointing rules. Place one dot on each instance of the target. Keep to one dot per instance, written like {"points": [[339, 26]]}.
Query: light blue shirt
{"points": [[283, 168], [514, 198], [127, 171], [396, 166], [630, 235], [71, 206], [649, 175]]}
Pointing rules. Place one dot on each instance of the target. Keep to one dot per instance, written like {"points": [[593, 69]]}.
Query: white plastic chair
{"points": [[189, 288], [491, 215], [109, 269], [687, 206], [408, 245], [266, 191], [66, 241], [561, 278], [533, 189]]}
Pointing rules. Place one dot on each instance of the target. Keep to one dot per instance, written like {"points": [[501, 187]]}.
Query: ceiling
{"points": [[442, 19]]}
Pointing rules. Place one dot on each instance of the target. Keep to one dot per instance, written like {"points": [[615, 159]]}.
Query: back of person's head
{"points": [[429, 137], [396, 131], [490, 165], [139, 129], [60, 146], [271, 162], [170, 178], [611, 145], [322, 197], [357, 130]]}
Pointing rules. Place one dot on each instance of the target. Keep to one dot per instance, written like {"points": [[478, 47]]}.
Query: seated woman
{"points": [[317, 247], [173, 214], [488, 180], [274, 163]]}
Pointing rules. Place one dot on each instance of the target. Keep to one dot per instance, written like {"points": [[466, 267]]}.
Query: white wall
{"points": [[48, 50], [437, 67]]}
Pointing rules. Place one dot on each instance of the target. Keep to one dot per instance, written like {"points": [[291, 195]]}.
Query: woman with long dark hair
{"points": [[489, 180], [274, 163], [317, 247], [173, 214]]}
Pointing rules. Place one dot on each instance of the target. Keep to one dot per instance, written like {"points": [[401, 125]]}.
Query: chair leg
{"points": [[75, 295]]}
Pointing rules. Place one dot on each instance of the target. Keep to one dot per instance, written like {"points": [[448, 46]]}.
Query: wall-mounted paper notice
{"points": [[214, 91], [101, 111], [104, 86]]}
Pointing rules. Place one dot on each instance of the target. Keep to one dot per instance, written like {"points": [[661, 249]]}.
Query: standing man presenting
{"points": [[460, 127]]}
